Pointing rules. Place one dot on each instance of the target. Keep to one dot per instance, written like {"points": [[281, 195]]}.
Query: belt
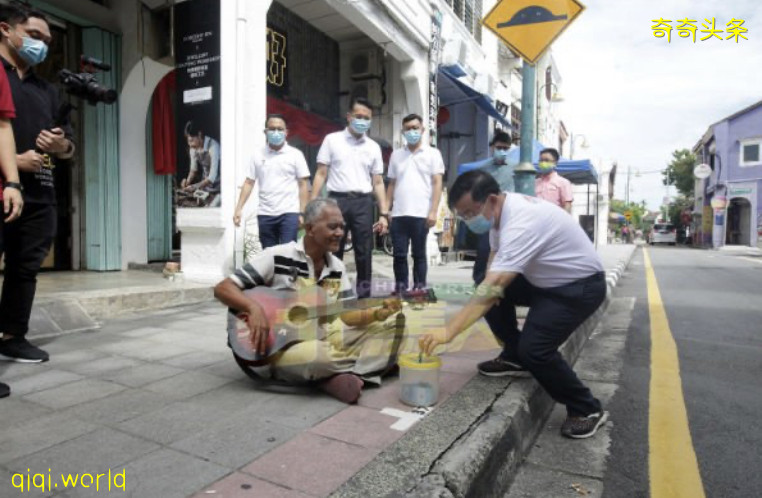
{"points": [[348, 195]]}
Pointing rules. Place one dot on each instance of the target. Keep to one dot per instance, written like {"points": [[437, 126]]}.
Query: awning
{"points": [[450, 82], [579, 172]]}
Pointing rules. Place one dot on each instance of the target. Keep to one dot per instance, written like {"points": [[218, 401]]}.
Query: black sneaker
{"points": [[583, 427], [5, 391], [500, 368], [20, 350]]}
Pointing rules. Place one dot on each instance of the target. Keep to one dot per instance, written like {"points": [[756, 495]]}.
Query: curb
{"points": [[474, 443]]}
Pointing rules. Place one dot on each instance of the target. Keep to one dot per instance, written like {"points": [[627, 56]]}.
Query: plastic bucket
{"points": [[419, 379]]}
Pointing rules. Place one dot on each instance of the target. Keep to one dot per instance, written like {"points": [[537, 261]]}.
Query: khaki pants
{"points": [[367, 352]]}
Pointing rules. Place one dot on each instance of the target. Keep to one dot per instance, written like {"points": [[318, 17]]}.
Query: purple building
{"points": [[732, 147]]}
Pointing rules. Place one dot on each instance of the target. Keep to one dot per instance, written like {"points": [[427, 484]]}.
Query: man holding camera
{"points": [[24, 39]]}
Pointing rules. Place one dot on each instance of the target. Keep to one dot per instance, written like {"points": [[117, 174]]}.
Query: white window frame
{"points": [[750, 141]]}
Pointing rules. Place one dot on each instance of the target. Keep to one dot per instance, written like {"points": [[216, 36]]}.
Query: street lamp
{"points": [[574, 137], [554, 97]]}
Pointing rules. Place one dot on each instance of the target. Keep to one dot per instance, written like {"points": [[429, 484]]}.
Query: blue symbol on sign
{"points": [[532, 15]]}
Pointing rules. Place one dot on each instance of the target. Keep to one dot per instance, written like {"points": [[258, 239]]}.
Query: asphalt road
{"points": [[713, 303]]}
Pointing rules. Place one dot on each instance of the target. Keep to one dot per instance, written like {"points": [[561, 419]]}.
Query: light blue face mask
{"points": [[360, 125], [275, 138], [479, 224], [32, 51], [500, 155], [412, 136]]}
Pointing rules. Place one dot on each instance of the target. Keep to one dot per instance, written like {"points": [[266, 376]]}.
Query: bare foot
{"points": [[345, 387]]}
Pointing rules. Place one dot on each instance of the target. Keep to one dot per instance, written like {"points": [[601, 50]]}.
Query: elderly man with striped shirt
{"points": [[350, 350]]}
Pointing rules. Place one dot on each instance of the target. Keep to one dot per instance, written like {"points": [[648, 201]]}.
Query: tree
{"points": [[638, 210], [679, 172]]}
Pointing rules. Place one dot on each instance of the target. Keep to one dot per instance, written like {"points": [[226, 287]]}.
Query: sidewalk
{"points": [[158, 394]]}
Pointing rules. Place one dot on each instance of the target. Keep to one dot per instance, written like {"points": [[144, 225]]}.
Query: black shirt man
{"points": [[24, 39]]}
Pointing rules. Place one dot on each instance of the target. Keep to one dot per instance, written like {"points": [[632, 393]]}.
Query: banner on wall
{"points": [[197, 52]]}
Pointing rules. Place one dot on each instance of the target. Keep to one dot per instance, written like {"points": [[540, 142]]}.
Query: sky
{"points": [[636, 98]]}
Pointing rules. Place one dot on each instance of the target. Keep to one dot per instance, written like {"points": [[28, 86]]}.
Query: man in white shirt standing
{"points": [[415, 187], [283, 174], [350, 165], [542, 259]]}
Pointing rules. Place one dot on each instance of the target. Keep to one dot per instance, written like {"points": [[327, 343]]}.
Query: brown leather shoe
{"points": [[345, 387]]}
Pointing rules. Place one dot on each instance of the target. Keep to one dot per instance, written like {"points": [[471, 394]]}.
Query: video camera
{"points": [[84, 85]]}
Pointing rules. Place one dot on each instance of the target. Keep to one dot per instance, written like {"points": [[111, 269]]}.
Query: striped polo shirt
{"points": [[288, 267]]}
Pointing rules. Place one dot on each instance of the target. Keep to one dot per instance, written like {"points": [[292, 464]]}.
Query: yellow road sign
{"points": [[628, 215], [528, 27]]}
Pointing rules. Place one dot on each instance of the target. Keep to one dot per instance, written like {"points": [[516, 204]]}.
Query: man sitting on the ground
{"points": [[346, 357]]}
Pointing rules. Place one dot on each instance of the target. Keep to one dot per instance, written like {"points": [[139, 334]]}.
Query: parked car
{"points": [[663, 233]]}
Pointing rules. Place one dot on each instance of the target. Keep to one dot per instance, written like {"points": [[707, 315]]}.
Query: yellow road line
{"points": [[672, 464]]}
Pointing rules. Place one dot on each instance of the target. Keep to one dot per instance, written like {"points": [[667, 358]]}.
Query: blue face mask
{"points": [[275, 138], [360, 125], [479, 224], [32, 51], [412, 136], [500, 155]]}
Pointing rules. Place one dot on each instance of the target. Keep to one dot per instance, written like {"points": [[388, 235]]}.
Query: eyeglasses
{"points": [[469, 216], [502, 147]]}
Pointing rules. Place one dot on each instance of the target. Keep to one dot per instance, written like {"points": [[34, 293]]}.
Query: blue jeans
{"points": [[408, 230], [275, 230], [553, 315]]}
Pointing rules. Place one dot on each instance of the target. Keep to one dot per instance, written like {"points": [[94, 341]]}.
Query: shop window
{"points": [[751, 152]]}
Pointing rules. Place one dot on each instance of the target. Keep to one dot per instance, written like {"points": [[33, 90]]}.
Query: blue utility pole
{"points": [[525, 173]]}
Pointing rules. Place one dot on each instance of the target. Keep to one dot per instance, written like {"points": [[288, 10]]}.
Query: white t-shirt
{"points": [[412, 172], [542, 242], [278, 173], [351, 162]]}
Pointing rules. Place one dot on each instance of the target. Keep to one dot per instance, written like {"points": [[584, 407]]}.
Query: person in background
{"points": [[551, 186], [40, 144], [350, 165], [283, 178], [501, 169], [415, 187], [10, 188], [542, 259]]}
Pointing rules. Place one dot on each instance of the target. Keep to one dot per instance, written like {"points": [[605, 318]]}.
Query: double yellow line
{"points": [[672, 463]]}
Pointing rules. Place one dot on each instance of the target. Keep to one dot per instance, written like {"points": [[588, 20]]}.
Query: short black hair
{"points": [[275, 116], [501, 136], [14, 14], [552, 152], [478, 182], [360, 101], [192, 129], [412, 117]]}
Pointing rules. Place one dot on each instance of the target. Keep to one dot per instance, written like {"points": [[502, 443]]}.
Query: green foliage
{"points": [[676, 209], [679, 172], [638, 211]]}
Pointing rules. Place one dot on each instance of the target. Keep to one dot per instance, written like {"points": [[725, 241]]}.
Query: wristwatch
{"points": [[15, 185]]}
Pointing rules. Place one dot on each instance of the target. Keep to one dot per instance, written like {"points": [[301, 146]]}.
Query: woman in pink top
{"points": [[550, 185]]}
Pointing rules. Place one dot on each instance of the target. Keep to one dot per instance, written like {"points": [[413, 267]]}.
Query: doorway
{"points": [[739, 222]]}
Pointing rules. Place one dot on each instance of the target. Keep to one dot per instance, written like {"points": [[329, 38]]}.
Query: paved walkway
{"points": [[159, 396]]}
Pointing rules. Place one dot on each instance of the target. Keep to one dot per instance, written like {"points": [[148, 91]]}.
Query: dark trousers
{"points": [[27, 243], [482, 255], [553, 315], [274, 230], [357, 211], [407, 230]]}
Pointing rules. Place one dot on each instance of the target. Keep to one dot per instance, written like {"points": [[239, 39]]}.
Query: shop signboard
{"points": [[197, 54]]}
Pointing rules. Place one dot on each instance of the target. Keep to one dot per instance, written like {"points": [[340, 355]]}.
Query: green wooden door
{"points": [[158, 204], [103, 245]]}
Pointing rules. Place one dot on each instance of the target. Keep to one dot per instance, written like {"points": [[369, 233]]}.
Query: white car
{"points": [[663, 233]]}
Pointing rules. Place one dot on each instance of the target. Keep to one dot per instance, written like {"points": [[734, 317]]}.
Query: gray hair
{"points": [[314, 208]]}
